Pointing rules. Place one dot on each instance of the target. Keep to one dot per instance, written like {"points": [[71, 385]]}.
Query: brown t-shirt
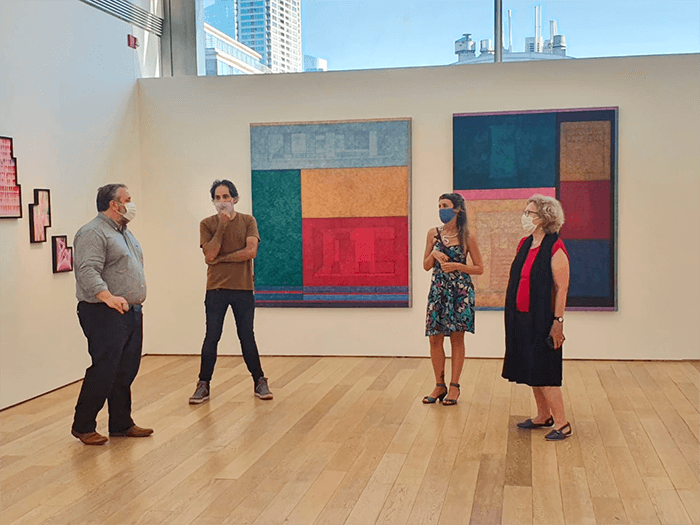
{"points": [[230, 275]]}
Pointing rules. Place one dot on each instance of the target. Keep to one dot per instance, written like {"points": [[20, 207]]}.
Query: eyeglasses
{"points": [[528, 213]]}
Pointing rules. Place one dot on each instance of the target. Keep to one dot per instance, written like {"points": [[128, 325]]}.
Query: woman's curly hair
{"points": [[550, 211]]}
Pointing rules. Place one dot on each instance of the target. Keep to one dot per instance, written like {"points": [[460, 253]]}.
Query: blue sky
{"points": [[360, 34]]}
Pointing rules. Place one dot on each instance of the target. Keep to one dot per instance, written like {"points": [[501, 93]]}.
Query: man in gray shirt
{"points": [[110, 287]]}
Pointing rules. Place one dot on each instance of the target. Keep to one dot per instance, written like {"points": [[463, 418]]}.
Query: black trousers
{"points": [[216, 304], [114, 344]]}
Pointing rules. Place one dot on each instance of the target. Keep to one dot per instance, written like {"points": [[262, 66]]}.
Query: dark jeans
{"points": [[216, 304], [114, 344]]}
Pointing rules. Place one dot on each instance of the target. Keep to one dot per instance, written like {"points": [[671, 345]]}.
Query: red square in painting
{"points": [[363, 251], [586, 209]]}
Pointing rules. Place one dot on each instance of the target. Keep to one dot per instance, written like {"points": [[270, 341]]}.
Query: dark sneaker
{"points": [[201, 393], [262, 390]]}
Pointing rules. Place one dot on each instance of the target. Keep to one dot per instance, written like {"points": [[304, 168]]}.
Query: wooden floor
{"points": [[347, 440]]}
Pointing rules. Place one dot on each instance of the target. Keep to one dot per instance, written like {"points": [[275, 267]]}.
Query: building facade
{"points": [[226, 56], [273, 29], [312, 63], [223, 15]]}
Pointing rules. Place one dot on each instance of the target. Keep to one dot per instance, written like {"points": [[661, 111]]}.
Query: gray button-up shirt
{"points": [[108, 257]]}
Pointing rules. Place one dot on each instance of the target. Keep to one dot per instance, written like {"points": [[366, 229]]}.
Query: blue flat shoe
{"points": [[528, 424], [560, 434]]}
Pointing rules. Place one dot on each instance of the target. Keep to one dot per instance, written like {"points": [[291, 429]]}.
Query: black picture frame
{"points": [[4, 196], [36, 233], [61, 254]]}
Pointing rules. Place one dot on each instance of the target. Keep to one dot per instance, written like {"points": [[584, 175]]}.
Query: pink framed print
{"points": [[39, 216], [62, 254], [10, 191]]}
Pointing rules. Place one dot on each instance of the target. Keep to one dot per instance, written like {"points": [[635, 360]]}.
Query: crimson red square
{"points": [[586, 209], [362, 251]]}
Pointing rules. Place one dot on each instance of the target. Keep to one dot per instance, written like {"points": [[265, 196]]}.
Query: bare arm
{"points": [[560, 273], [431, 255], [249, 252], [212, 247], [477, 266]]}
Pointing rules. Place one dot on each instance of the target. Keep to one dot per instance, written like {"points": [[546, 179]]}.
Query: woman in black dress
{"points": [[535, 303]]}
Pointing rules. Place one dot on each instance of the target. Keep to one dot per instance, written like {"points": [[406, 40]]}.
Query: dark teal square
{"points": [[505, 151]]}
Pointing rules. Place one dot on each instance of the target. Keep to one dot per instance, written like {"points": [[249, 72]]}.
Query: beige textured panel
{"points": [[354, 192], [585, 151], [496, 225]]}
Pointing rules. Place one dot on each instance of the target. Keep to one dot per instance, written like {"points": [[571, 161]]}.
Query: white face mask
{"points": [[528, 225], [224, 205], [130, 212]]}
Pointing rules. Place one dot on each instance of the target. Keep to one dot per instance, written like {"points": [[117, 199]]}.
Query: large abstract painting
{"points": [[332, 201], [501, 159]]}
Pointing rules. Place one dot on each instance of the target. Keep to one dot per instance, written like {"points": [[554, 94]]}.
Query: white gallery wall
{"points": [[69, 99], [194, 130]]}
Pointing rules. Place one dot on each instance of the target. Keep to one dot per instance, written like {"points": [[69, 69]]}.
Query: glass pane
{"points": [[280, 36]]}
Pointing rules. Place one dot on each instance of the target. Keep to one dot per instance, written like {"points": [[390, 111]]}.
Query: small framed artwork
{"points": [[10, 191], [39, 216], [62, 254]]}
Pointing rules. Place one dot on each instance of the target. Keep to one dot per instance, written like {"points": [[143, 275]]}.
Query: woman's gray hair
{"points": [[550, 211]]}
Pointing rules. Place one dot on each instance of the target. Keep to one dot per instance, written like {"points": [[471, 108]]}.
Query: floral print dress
{"points": [[451, 296]]}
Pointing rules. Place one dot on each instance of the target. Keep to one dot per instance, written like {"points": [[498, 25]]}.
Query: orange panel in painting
{"points": [[585, 151], [354, 192], [496, 225]]}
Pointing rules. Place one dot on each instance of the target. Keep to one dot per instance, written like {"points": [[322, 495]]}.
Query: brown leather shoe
{"points": [[90, 438], [133, 432]]}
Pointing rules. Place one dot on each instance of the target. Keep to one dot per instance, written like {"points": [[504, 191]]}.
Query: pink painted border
{"points": [[565, 110], [505, 194]]}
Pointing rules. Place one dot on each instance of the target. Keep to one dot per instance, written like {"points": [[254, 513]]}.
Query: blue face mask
{"points": [[447, 214]]}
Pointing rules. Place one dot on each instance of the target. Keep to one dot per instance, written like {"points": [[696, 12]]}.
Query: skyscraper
{"points": [[273, 29], [222, 15]]}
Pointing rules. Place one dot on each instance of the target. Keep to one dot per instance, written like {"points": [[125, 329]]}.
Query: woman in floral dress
{"points": [[451, 298]]}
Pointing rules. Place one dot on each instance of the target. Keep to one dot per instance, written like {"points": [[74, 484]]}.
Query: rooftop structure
{"points": [[536, 48]]}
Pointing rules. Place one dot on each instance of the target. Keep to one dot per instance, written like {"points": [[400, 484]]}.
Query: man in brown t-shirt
{"points": [[229, 241]]}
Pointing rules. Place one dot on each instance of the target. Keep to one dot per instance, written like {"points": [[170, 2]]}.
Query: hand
{"points": [[450, 267], [216, 260], [557, 334], [440, 256], [224, 216], [120, 304]]}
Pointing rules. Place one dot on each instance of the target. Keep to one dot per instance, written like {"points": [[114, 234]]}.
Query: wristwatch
{"points": [[560, 319]]}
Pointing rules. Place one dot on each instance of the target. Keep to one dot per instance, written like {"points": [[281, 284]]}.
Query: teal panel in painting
{"points": [[277, 208], [505, 151], [330, 145]]}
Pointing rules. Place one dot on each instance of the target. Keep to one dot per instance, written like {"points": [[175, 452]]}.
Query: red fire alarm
{"points": [[132, 41]]}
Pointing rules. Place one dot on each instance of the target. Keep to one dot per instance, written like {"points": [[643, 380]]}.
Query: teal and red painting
{"points": [[332, 201], [501, 159]]}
